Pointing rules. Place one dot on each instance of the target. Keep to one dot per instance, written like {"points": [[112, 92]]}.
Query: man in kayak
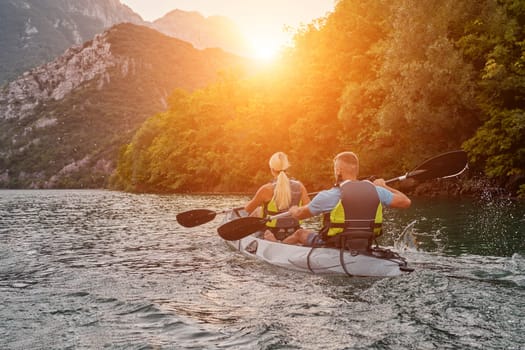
{"points": [[277, 197], [351, 207]]}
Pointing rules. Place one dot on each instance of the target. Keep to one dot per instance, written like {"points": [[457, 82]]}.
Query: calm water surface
{"points": [[101, 269]]}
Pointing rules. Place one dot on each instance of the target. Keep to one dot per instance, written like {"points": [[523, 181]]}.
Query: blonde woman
{"points": [[278, 196]]}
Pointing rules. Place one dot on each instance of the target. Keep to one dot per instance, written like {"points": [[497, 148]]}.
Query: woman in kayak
{"points": [[277, 197]]}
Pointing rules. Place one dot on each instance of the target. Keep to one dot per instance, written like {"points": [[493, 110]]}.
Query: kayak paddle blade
{"points": [[444, 165], [240, 228], [195, 217]]}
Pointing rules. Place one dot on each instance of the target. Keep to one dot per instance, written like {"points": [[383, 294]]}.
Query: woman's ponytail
{"points": [[282, 193]]}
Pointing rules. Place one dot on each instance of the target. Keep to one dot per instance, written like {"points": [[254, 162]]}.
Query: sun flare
{"points": [[265, 49]]}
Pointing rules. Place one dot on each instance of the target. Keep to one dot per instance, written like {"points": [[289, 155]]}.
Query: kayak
{"points": [[241, 233], [378, 262]]}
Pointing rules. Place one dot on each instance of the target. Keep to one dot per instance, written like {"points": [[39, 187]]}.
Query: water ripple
{"points": [[101, 269]]}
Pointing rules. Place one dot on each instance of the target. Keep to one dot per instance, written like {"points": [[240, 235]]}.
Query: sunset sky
{"points": [[262, 21]]}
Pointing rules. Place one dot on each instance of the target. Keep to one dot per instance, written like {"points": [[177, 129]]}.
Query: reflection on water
{"points": [[101, 269]]}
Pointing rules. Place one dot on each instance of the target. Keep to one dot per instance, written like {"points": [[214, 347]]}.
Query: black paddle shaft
{"points": [[442, 166]]}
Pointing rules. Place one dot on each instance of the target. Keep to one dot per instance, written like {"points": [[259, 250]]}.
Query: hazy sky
{"points": [[262, 21]]}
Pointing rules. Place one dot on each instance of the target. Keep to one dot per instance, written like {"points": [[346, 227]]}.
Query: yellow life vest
{"points": [[359, 209], [270, 208]]}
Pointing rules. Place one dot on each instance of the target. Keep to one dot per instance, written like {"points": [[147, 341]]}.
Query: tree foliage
{"points": [[495, 40], [395, 81]]}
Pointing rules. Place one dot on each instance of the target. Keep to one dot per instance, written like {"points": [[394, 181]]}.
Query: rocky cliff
{"points": [[62, 123], [58, 78], [33, 32]]}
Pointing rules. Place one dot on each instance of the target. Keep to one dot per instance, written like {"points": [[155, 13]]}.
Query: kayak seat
{"points": [[281, 233], [355, 241]]}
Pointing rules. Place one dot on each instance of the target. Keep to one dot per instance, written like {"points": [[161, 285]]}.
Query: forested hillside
{"points": [[395, 81]]}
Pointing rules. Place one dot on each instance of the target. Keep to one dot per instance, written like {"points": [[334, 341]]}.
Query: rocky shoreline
{"points": [[464, 186], [476, 186]]}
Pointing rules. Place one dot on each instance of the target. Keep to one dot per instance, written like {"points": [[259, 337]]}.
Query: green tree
{"points": [[396, 81], [495, 42]]}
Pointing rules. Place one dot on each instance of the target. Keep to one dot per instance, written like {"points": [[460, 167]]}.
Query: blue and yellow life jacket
{"points": [[358, 210], [283, 226]]}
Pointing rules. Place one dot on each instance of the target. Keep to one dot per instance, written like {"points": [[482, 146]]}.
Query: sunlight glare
{"points": [[265, 49]]}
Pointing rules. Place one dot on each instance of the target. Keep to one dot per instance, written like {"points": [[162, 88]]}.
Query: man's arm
{"points": [[300, 213], [399, 199], [323, 202]]}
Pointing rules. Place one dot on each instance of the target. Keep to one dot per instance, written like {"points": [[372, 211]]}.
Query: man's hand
{"points": [[294, 211], [380, 182], [300, 213], [399, 199]]}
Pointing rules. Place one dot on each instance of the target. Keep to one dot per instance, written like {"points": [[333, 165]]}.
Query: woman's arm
{"points": [[263, 194], [305, 198]]}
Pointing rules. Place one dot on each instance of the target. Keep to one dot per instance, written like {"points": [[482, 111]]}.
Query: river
{"points": [[93, 269]]}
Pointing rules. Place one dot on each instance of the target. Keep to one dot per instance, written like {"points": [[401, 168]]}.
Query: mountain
{"points": [[62, 123], [33, 32], [203, 32]]}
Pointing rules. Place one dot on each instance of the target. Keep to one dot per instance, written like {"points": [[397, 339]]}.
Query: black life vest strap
{"points": [[356, 225]]}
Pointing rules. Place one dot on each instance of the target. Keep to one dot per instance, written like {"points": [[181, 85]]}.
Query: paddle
{"points": [[196, 217], [442, 166], [242, 227]]}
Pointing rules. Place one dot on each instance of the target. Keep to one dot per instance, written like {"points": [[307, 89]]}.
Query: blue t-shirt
{"points": [[326, 200]]}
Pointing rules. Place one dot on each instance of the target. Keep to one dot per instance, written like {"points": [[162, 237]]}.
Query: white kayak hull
{"points": [[321, 260]]}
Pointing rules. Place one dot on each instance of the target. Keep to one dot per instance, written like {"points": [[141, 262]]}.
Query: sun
{"points": [[264, 48]]}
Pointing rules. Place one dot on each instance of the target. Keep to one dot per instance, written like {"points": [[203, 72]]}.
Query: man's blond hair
{"points": [[349, 161]]}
